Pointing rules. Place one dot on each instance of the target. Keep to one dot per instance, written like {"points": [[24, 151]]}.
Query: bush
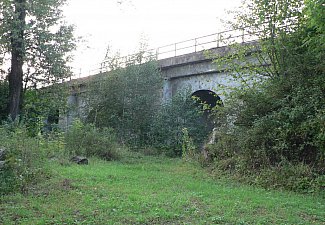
{"points": [[126, 100], [87, 140], [275, 116], [277, 134], [41, 107], [169, 121], [225, 147], [25, 160], [299, 177]]}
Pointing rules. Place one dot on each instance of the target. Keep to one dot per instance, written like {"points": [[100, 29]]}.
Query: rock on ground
{"points": [[79, 160]]}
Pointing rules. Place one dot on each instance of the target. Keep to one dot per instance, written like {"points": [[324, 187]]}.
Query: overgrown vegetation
{"points": [[25, 158], [129, 101], [126, 99], [118, 118], [277, 137], [87, 140], [167, 128], [41, 108], [270, 131]]}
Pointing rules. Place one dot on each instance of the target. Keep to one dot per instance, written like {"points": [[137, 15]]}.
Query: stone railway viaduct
{"points": [[193, 71]]}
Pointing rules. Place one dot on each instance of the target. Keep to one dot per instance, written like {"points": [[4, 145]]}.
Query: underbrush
{"points": [[272, 135], [227, 158], [25, 159], [87, 140], [167, 128]]}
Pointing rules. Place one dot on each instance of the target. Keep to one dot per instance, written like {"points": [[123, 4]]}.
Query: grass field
{"points": [[148, 190]]}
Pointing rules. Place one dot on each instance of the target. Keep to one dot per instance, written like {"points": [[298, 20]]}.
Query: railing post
{"points": [[243, 35], [157, 53], [175, 49], [218, 40], [101, 68]]}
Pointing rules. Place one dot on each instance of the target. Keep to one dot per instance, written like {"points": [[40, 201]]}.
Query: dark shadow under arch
{"points": [[207, 97], [206, 100]]}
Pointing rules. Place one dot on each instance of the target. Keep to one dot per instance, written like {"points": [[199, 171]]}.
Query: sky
{"points": [[123, 24]]}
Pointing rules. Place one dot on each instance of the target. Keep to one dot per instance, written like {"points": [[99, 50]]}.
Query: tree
{"points": [[126, 99], [34, 34], [277, 130]]}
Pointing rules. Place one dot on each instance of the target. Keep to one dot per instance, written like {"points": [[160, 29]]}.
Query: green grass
{"points": [[152, 190]]}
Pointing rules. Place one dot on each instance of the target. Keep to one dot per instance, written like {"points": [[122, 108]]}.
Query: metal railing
{"points": [[215, 40]]}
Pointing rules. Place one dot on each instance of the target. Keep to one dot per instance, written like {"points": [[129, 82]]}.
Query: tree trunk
{"points": [[17, 59]]}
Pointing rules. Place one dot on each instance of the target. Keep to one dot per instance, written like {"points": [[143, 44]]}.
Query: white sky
{"points": [[121, 25]]}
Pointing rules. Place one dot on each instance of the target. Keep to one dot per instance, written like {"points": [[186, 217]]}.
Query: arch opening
{"points": [[207, 99]]}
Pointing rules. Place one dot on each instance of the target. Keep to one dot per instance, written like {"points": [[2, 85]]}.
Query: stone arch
{"points": [[207, 97], [210, 98]]}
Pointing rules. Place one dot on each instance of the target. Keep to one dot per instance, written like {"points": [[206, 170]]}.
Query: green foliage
{"points": [[47, 40], [39, 42], [282, 121], [173, 116], [87, 140], [25, 162], [225, 147], [126, 100], [188, 148], [129, 101], [299, 177], [41, 108], [4, 95], [315, 41], [272, 131]]}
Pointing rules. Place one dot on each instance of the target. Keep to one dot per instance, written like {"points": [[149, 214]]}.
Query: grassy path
{"points": [[153, 191]]}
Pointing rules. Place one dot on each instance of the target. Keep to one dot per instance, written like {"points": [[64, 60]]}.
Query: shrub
{"points": [[188, 148], [126, 99], [299, 177], [277, 111], [224, 148], [166, 127], [87, 140], [25, 160], [277, 134], [41, 108]]}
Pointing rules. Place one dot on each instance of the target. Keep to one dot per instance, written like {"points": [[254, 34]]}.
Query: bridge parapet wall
{"points": [[196, 63], [196, 71]]}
